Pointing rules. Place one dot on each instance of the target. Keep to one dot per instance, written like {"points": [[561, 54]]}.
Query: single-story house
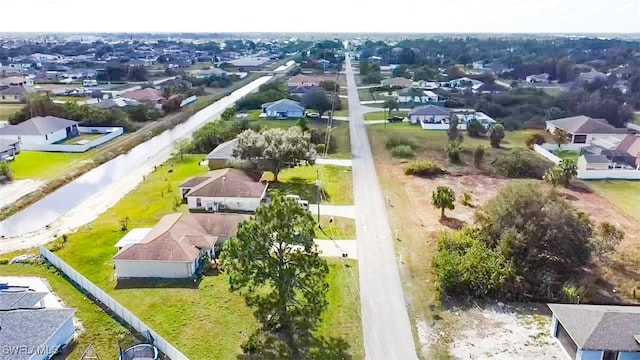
{"points": [[28, 326], [464, 82], [304, 80], [175, 247], [416, 96], [9, 149], [301, 90], [538, 78], [222, 154], [205, 73], [115, 103], [250, 63], [603, 332], [491, 88], [397, 82], [13, 94], [583, 129], [149, 96], [630, 146], [16, 81], [428, 115], [223, 190], [283, 109], [40, 130], [427, 85]]}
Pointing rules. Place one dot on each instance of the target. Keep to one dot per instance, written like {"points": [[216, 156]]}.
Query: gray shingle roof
{"points": [[30, 329], [600, 327], [596, 159], [14, 90], [38, 125], [7, 144], [283, 105], [18, 300], [586, 125], [430, 110], [223, 151]]}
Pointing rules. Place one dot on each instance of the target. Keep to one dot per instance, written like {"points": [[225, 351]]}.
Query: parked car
{"points": [[313, 115], [395, 119], [303, 203]]}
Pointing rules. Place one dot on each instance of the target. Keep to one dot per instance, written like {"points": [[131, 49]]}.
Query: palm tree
{"points": [[391, 104], [443, 198]]}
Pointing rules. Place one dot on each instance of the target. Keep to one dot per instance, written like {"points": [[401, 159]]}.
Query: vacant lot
{"points": [[417, 222], [98, 328], [366, 94], [45, 165], [192, 318], [7, 110], [340, 229]]}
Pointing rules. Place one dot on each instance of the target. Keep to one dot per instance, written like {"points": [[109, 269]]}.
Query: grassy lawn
{"points": [[366, 95], [88, 137], [341, 228], [7, 110], [44, 165], [69, 98], [341, 113], [336, 184], [623, 194], [568, 155], [100, 329], [381, 115], [190, 318], [636, 117]]}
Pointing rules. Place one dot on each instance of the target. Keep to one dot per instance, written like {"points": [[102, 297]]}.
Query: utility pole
{"points": [[318, 195]]}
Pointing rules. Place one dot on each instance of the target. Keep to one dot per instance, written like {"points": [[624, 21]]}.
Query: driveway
{"points": [[337, 248], [385, 321], [346, 211]]}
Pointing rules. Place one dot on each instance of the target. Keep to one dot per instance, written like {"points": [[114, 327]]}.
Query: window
{"points": [[198, 202], [580, 139], [610, 355]]}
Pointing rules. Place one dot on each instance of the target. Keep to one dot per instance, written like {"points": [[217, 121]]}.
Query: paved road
{"points": [[385, 321]]}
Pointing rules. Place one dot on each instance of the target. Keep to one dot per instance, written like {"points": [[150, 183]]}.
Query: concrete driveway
{"points": [[346, 211]]}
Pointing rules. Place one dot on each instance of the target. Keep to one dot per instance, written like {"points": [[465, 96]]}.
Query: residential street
{"points": [[385, 321]]}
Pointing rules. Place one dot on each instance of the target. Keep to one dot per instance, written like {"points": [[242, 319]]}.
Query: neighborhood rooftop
{"points": [[179, 237], [19, 300], [223, 151], [585, 125], [227, 182], [38, 125], [600, 327], [430, 110]]}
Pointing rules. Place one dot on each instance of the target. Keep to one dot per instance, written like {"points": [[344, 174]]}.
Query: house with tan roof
{"points": [[149, 96], [225, 189], [175, 247], [583, 129], [305, 80]]}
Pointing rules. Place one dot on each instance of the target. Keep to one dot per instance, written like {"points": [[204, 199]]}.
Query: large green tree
{"points": [[495, 134], [275, 265], [275, 149]]}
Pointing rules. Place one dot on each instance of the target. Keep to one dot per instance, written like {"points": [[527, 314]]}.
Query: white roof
{"points": [[133, 237]]}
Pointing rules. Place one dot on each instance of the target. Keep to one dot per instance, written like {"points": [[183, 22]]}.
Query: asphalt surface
{"points": [[385, 321]]}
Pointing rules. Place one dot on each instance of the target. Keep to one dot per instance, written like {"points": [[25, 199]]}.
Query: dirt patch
{"points": [[503, 331]]}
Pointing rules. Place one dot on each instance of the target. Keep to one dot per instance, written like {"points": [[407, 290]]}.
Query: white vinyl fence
{"points": [[110, 134], [611, 174], [115, 307], [546, 153]]}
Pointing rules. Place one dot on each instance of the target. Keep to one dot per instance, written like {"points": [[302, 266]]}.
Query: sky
{"points": [[423, 16]]}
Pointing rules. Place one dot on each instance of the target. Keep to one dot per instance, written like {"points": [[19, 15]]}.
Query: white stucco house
{"points": [[283, 109], [583, 129], [40, 130], [175, 247], [597, 332], [223, 190], [430, 117], [28, 324]]}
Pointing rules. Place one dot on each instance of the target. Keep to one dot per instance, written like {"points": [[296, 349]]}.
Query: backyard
{"points": [[99, 329], [7, 110], [183, 315], [45, 165]]}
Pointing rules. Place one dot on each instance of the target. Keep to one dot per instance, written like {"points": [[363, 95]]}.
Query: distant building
{"points": [[252, 63], [591, 76], [283, 109], [399, 82], [538, 78], [149, 96], [583, 129]]}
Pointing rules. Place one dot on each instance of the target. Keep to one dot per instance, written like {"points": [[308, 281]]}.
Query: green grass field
{"points": [[341, 228], [191, 318], [366, 95], [100, 329], [44, 165], [623, 194], [381, 115], [337, 184], [568, 155], [7, 110]]}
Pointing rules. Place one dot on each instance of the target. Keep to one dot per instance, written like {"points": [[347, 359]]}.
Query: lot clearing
{"points": [[417, 222]]}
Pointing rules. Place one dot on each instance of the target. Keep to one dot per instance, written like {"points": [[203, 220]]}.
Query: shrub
{"points": [[320, 148], [423, 168], [466, 266], [454, 149], [466, 199], [535, 139], [394, 140], [521, 164], [478, 155], [4, 261], [402, 151], [496, 134]]}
